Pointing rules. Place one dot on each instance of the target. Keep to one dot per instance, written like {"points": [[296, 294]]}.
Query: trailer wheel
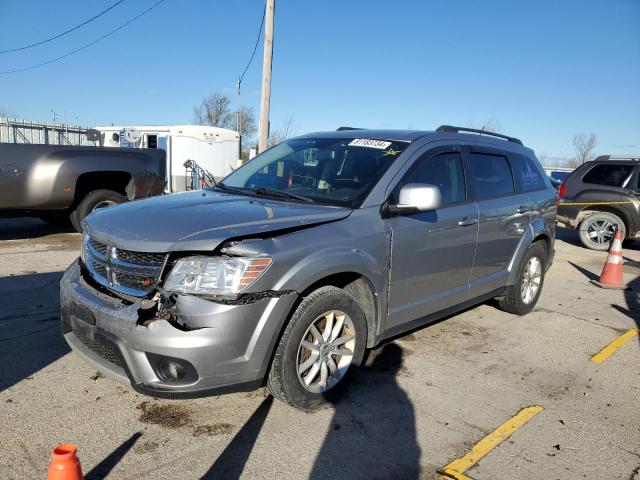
{"points": [[93, 201]]}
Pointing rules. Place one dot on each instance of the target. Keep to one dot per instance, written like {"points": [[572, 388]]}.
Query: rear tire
{"points": [[93, 201], [524, 294], [597, 230], [288, 373]]}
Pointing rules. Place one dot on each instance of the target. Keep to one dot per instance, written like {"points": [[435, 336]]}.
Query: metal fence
{"points": [[13, 130]]}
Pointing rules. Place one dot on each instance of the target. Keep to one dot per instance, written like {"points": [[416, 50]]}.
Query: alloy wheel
{"points": [[326, 351], [531, 279], [601, 231]]}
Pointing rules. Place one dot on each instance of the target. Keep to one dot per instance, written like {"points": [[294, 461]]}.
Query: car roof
{"points": [[412, 135], [377, 134]]}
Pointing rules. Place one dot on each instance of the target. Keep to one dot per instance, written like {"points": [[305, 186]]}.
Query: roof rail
{"points": [[603, 158], [342, 129], [449, 128]]}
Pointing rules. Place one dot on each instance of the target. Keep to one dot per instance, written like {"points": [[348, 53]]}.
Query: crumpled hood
{"points": [[199, 220]]}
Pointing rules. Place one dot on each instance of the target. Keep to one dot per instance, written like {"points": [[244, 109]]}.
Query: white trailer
{"points": [[217, 150]]}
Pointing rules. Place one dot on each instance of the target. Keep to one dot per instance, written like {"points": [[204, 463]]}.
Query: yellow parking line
{"points": [[610, 349], [456, 468]]}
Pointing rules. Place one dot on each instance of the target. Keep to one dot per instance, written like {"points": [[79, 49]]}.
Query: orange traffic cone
{"points": [[611, 276], [65, 464]]}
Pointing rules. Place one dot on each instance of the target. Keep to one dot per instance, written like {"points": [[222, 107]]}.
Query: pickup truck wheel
{"points": [[323, 343], [523, 296], [597, 230], [93, 201]]}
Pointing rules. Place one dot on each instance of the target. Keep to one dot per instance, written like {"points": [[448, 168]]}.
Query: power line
{"points": [[254, 48], [6, 72], [63, 33]]}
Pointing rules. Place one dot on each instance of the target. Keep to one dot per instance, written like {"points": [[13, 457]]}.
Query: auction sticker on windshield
{"points": [[367, 142]]}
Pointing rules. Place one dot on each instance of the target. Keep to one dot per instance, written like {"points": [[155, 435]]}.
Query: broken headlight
{"points": [[215, 275]]}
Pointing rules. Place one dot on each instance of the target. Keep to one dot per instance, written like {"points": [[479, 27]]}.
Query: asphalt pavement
{"points": [[422, 402]]}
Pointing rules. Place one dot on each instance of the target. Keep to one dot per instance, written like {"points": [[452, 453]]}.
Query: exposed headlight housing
{"points": [[215, 275]]}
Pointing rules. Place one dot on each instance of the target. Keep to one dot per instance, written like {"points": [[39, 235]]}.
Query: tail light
{"points": [[562, 192]]}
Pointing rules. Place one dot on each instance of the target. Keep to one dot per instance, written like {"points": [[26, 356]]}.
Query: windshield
{"points": [[323, 170]]}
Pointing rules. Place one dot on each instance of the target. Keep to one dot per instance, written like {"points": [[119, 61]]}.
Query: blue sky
{"points": [[542, 70]]}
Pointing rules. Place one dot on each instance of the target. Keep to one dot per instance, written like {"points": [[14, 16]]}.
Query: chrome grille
{"points": [[124, 271]]}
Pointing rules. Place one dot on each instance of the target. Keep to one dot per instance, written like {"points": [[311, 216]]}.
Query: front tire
{"points": [[93, 201], [597, 230], [524, 294], [323, 343]]}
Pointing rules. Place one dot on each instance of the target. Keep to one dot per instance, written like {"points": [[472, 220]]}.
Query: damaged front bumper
{"points": [[228, 348]]}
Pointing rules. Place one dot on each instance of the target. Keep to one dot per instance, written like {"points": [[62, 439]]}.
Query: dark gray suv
{"points": [[319, 248]]}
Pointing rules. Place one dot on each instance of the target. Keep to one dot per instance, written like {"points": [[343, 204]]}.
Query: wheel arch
{"points": [[349, 280], [619, 212], [108, 179], [361, 289]]}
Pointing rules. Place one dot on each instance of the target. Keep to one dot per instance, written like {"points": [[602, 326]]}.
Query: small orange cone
{"points": [[65, 464], [611, 276]]}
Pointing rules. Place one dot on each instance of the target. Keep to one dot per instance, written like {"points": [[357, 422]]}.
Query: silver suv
{"points": [[319, 248]]}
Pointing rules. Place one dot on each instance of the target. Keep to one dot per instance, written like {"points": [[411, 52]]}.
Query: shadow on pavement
{"points": [[103, 469], [25, 228], [373, 430], [232, 460], [30, 336], [632, 299], [585, 272], [569, 236]]}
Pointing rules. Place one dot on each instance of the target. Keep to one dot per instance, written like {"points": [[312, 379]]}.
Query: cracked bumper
{"points": [[231, 353]]}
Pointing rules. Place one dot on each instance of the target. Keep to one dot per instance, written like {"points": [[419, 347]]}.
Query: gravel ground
{"points": [[422, 401]]}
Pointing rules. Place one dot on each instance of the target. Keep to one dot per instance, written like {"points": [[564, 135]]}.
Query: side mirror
{"points": [[419, 196]]}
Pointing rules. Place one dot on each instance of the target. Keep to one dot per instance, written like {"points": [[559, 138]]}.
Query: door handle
{"points": [[523, 209], [465, 222]]}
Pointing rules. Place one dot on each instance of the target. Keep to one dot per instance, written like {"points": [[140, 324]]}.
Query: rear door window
{"points": [[490, 175], [610, 175], [529, 176]]}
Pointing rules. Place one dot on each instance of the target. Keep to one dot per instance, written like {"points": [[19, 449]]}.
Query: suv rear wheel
{"points": [[523, 296], [322, 344], [93, 201], [597, 230]]}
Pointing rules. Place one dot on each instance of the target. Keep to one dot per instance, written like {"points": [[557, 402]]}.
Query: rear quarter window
{"points": [[609, 175], [528, 174]]}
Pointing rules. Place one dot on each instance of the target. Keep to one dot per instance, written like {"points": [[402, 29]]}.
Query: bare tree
{"points": [[584, 145], [217, 110], [247, 121], [289, 129], [214, 111], [572, 163]]}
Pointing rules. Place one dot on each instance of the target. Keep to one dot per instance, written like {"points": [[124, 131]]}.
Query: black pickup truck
{"points": [[62, 184]]}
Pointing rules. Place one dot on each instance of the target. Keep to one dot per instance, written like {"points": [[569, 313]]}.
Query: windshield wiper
{"points": [[280, 194], [226, 188]]}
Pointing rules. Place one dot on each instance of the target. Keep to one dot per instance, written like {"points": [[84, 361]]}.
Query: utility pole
{"points": [[239, 121], [263, 134]]}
